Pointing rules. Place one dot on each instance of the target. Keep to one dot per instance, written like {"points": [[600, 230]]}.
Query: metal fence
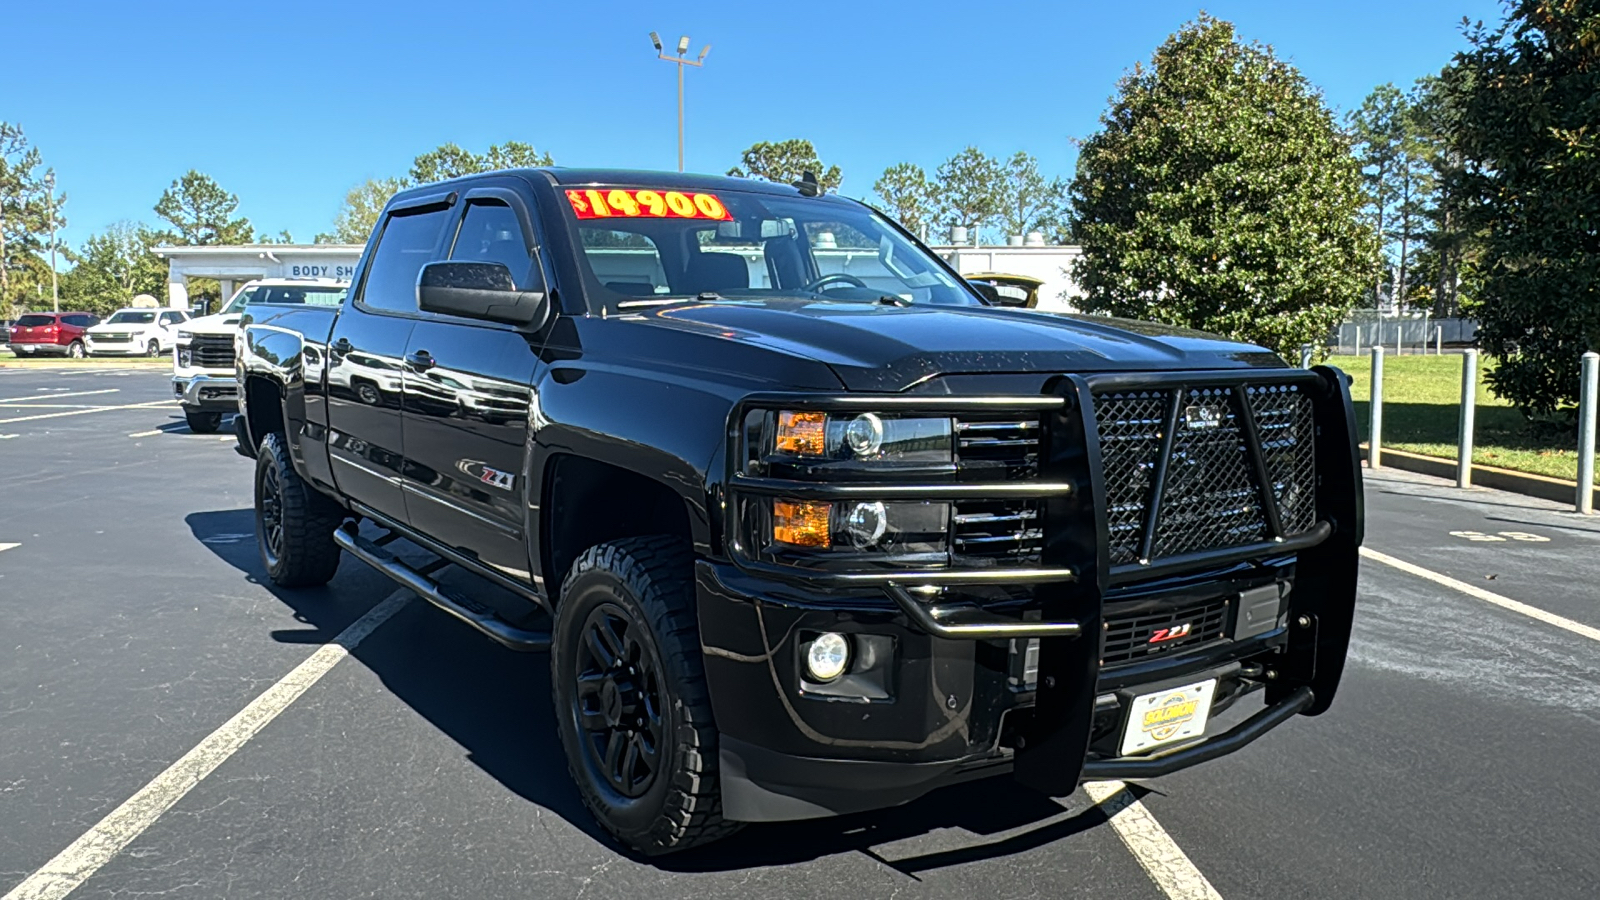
{"points": [[1404, 334]]}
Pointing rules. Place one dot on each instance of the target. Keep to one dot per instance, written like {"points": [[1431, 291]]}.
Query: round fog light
{"points": [[828, 657]]}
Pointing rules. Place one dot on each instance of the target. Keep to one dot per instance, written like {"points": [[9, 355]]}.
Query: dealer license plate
{"points": [[1166, 717]]}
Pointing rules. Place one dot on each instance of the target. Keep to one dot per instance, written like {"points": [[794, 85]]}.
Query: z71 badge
{"points": [[497, 479]]}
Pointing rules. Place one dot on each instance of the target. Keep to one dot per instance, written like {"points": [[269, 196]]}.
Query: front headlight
{"points": [[185, 335], [894, 527], [865, 438]]}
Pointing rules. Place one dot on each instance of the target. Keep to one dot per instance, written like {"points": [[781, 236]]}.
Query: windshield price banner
{"points": [[617, 203]]}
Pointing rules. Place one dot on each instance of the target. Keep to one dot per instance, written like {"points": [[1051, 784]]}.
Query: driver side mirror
{"points": [[480, 290]]}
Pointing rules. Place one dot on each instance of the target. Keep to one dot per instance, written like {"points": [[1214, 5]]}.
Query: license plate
{"points": [[1166, 717]]}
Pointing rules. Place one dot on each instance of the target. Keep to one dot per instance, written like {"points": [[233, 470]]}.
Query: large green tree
{"points": [[786, 162], [1220, 195], [452, 161], [25, 210], [202, 212], [907, 195], [113, 266], [1527, 98], [971, 190], [1033, 203], [359, 213]]}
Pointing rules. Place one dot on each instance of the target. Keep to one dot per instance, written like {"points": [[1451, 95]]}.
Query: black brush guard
{"points": [[1075, 570]]}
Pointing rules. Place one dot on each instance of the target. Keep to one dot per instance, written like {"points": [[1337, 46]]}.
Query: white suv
{"points": [[202, 368], [136, 332]]}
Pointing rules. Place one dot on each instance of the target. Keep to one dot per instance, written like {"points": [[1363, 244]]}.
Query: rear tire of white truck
{"points": [[294, 522], [630, 696]]}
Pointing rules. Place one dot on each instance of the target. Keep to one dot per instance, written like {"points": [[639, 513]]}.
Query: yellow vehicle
{"points": [[1000, 289]]}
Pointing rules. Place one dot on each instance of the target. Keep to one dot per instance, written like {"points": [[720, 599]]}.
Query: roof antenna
{"points": [[808, 185]]}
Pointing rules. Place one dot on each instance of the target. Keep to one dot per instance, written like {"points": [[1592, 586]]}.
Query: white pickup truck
{"points": [[202, 367]]}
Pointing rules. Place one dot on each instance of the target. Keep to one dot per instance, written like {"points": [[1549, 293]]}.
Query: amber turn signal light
{"points": [[802, 433], [803, 523]]}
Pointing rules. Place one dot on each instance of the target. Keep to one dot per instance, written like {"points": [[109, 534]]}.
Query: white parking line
{"points": [[1160, 856], [53, 395], [1472, 590], [5, 547], [151, 433], [100, 844], [94, 409]]}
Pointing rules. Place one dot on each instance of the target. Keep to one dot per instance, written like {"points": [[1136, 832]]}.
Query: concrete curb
{"points": [[1528, 485]]}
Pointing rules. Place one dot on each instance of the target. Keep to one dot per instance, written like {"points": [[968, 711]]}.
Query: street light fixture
{"points": [[681, 60]]}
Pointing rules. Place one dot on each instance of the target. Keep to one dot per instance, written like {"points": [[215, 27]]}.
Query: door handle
{"points": [[419, 360], [342, 345]]}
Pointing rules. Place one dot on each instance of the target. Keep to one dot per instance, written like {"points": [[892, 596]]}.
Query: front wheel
{"points": [[203, 422], [630, 696], [152, 349], [294, 523], [75, 350]]}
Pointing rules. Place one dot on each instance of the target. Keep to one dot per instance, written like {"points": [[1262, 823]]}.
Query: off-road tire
{"points": [[306, 555], [203, 422], [651, 579]]}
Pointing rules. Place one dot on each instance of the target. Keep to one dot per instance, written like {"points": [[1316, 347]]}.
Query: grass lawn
{"points": [[6, 356], [1421, 414]]}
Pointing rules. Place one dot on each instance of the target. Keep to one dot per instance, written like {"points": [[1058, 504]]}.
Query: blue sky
{"points": [[289, 104]]}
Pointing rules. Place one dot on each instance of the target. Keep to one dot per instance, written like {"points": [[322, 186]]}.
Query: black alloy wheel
{"points": [[617, 703], [269, 516]]}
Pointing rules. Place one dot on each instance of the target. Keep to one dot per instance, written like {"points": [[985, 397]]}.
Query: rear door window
{"points": [[409, 241], [78, 321]]}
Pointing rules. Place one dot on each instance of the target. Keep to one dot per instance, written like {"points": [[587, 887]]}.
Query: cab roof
{"points": [[573, 177]]}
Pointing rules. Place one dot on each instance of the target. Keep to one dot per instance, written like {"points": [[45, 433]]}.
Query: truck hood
{"points": [[221, 323], [891, 348]]}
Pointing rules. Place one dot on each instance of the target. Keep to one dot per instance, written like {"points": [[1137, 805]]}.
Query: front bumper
{"points": [[206, 393], [951, 704]]}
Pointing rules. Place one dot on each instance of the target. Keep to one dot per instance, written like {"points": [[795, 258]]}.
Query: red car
{"points": [[54, 333]]}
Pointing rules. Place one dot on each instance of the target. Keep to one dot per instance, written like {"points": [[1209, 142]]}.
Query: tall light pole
{"points": [[681, 60], [50, 211]]}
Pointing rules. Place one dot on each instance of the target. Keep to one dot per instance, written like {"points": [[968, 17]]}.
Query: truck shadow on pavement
{"points": [[496, 704]]}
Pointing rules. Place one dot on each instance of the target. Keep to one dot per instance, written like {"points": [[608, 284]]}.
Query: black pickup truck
{"points": [[805, 526]]}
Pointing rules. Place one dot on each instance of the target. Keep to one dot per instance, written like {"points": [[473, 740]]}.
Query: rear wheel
{"points": [[75, 350], [630, 696], [294, 523], [203, 422]]}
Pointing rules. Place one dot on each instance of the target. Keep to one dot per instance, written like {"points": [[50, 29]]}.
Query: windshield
{"points": [[646, 247], [314, 295], [131, 318]]}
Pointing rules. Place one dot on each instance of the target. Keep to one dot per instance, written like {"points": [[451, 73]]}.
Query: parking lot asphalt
{"points": [[134, 621]]}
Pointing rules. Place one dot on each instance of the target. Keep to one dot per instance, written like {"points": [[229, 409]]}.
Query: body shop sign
{"points": [[339, 272]]}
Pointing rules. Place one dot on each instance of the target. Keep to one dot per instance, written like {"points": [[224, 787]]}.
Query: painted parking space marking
{"points": [[1472, 590], [94, 409], [151, 433], [1501, 536], [1158, 854], [56, 395], [100, 844], [4, 546]]}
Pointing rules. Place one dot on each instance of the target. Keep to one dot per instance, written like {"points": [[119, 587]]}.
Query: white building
{"points": [[1050, 263], [238, 263]]}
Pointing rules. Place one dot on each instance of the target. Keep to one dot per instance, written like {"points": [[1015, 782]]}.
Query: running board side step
{"points": [[464, 608]]}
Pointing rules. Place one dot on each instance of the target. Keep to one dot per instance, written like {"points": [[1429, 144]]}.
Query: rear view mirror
{"points": [[480, 290]]}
